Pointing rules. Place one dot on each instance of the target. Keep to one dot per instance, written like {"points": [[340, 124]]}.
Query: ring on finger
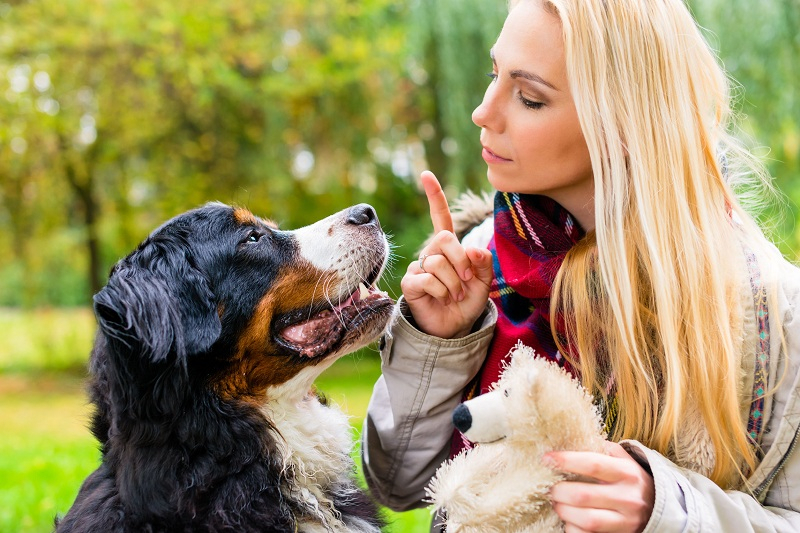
{"points": [[421, 261]]}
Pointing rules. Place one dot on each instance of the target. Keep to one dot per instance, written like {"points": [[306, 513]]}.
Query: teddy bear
{"points": [[501, 484]]}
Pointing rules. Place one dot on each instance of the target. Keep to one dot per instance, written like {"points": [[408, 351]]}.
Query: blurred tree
{"points": [[451, 40], [117, 114], [760, 47], [147, 108]]}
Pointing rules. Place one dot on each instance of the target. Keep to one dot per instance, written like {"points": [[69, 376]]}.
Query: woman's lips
{"points": [[491, 157]]}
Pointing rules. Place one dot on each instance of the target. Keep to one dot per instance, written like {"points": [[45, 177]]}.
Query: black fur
{"points": [[176, 455]]}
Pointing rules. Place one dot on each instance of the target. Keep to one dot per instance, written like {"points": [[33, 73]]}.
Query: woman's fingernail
{"points": [[468, 274], [460, 296], [548, 461]]}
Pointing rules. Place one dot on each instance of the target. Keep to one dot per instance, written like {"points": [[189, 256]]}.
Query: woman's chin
{"points": [[502, 183]]}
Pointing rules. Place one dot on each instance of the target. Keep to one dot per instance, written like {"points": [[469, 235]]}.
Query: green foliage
{"points": [[759, 48], [119, 114], [451, 42], [122, 114]]}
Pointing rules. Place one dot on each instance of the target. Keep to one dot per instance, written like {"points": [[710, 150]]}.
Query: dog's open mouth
{"points": [[313, 333]]}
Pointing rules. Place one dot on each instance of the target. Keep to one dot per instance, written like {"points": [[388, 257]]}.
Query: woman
{"points": [[619, 250]]}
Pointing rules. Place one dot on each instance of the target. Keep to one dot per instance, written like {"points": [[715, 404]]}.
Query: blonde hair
{"points": [[653, 299]]}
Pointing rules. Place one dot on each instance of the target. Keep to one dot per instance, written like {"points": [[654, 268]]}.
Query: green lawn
{"points": [[46, 450]]}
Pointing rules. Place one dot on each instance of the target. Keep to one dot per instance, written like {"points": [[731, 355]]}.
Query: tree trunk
{"points": [[80, 179]]}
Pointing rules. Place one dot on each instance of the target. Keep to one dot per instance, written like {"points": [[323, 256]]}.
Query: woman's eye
{"points": [[492, 75], [530, 104]]}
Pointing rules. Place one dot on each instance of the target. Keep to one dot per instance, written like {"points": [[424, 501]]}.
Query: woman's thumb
{"points": [[481, 264]]}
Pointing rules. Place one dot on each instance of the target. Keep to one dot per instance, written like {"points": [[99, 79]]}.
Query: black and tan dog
{"points": [[211, 334]]}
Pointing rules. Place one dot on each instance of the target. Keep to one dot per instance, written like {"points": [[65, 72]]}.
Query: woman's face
{"points": [[531, 137]]}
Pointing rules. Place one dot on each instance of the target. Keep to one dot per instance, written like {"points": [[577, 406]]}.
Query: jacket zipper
{"points": [[764, 484]]}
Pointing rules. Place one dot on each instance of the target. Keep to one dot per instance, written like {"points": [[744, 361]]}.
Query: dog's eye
{"points": [[254, 236]]}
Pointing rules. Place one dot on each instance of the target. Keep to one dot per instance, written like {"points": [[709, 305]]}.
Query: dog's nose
{"points": [[462, 419], [362, 215]]}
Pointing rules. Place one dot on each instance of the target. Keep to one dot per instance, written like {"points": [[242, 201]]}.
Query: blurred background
{"points": [[118, 114]]}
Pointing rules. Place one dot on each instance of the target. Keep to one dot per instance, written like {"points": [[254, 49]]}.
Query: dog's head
{"points": [[235, 305]]}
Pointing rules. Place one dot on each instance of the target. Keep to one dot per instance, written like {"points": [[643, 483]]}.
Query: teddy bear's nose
{"points": [[462, 419]]}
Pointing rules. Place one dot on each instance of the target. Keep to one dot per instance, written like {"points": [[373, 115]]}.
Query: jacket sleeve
{"points": [[408, 428], [687, 502]]}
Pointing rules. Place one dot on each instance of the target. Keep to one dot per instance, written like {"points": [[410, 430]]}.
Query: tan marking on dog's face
{"points": [[244, 217], [258, 362]]}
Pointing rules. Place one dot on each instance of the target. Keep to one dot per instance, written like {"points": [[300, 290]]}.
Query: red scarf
{"points": [[532, 234]]}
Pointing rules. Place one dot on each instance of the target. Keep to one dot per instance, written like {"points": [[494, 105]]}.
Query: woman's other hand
{"points": [[620, 500], [447, 288]]}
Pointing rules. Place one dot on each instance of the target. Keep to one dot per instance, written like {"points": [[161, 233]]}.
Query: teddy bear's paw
{"points": [[467, 477]]}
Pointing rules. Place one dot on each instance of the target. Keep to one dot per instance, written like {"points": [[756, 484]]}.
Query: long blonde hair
{"points": [[654, 299]]}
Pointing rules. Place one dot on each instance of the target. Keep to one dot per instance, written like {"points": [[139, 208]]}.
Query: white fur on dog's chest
{"points": [[315, 443]]}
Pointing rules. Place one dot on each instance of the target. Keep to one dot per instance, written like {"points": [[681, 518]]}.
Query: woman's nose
{"points": [[486, 115], [479, 115]]}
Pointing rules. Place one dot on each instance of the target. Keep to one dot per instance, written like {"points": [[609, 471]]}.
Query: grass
{"points": [[46, 450]]}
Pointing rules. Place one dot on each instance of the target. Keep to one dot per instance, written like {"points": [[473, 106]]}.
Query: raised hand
{"points": [[447, 288]]}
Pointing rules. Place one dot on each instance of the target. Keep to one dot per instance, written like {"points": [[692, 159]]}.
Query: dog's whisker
{"points": [[326, 290], [326, 285], [339, 314], [314, 293], [322, 280]]}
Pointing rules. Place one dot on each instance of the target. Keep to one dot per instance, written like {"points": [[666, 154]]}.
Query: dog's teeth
{"points": [[363, 292]]}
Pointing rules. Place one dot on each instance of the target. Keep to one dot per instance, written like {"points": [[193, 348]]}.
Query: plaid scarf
{"points": [[532, 234]]}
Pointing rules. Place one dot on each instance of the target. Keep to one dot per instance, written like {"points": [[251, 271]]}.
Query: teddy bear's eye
{"points": [[506, 392]]}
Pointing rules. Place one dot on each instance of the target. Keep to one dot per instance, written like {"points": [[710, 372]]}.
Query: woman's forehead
{"points": [[531, 41]]}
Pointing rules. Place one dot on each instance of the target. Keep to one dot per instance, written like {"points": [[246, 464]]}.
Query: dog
{"points": [[211, 334]]}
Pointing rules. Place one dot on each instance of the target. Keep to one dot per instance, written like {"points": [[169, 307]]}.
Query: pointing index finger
{"points": [[437, 201]]}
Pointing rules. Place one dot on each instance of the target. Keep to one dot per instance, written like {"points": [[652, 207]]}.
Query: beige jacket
{"points": [[407, 432]]}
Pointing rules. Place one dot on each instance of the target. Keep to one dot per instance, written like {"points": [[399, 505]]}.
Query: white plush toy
{"points": [[501, 485]]}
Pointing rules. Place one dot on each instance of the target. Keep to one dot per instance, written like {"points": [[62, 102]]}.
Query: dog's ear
{"points": [[158, 301]]}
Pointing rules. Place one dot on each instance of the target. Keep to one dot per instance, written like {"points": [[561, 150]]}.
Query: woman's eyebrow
{"points": [[531, 77], [524, 74]]}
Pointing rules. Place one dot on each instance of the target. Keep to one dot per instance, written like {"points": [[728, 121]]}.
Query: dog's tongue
{"points": [[318, 334], [315, 336], [311, 331]]}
